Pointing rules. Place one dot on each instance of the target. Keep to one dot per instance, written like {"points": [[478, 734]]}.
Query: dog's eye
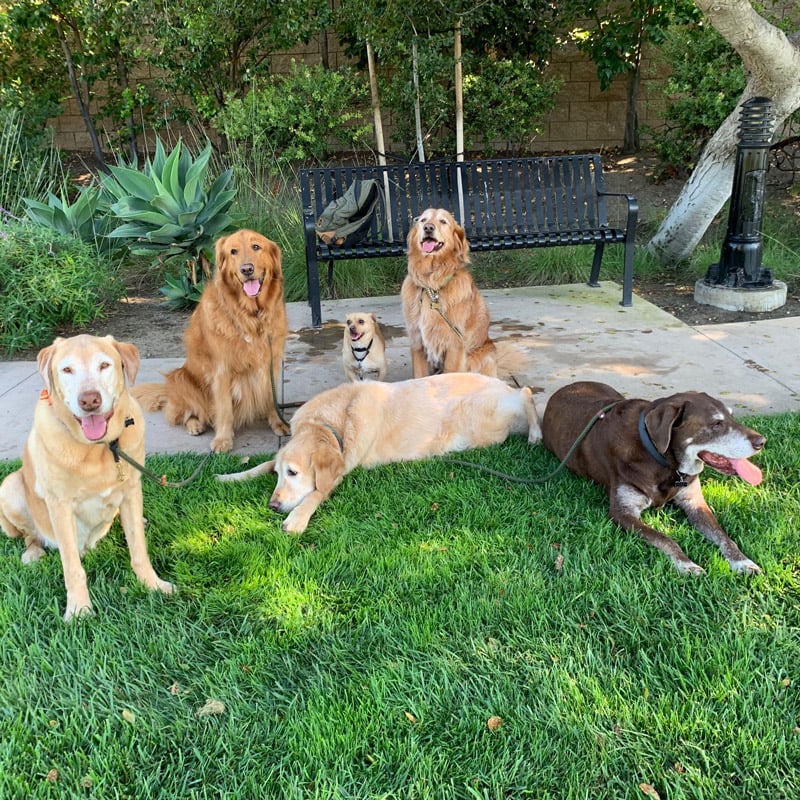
{"points": [[256, 247], [67, 370], [292, 473], [234, 251], [104, 365]]}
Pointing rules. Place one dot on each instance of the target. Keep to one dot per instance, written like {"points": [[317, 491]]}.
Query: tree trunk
{"points": [[773, 63], [631, 141], [83, 107]]}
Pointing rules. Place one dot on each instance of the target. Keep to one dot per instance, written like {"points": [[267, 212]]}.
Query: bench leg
{"points": [[627, 272], [312, 279], [594, 275], [627, 276]]}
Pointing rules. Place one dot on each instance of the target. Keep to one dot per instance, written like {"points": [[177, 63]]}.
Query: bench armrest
{"points": [[633, 209]]}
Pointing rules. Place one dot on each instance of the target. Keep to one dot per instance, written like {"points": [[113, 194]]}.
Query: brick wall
{"points": [[584, 118]]}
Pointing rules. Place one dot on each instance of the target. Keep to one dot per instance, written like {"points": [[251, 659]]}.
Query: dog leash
{"points": [[514, 478], [161, 480], [433, 296]]}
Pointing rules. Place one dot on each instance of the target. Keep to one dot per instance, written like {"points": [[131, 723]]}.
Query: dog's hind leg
{"points": [[691, 500], [626, 506], [534, 426]]}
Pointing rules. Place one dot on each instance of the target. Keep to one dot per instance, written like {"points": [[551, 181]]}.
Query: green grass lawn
{"points": [[365, 658]]}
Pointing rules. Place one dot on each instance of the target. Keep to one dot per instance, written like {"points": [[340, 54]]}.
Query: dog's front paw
{"points": [[745, 566], [222, 444], [689, 568], [164, 586], [295, 523], [279, 428], [77, 608]]}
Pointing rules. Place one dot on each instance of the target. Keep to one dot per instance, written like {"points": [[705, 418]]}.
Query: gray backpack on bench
{"points": [[347, 219]]}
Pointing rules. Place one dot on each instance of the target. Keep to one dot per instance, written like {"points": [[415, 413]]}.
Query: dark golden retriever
{"points": [[234, 346], [446, 316]]}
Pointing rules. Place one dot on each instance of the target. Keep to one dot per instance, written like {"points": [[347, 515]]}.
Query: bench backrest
{"points": [[490, 198]]}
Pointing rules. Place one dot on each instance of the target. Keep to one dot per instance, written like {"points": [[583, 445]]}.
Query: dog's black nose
{"points": [[274, 505], [247, 270], [428, 229], [758, 442]]}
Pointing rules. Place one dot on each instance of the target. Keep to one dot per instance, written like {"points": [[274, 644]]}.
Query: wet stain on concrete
{"points": [[320, 341]]}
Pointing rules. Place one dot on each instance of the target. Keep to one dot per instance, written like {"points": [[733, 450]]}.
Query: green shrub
{"points": [[506, 102], [296, 117], [701, 92], [49, 280]]}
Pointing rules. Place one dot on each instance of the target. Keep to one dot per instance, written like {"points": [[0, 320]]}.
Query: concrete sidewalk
{"points": [[572, 332]]}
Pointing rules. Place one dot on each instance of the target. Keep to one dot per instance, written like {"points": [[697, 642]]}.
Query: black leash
{"points": [[514, 478], [161, 480]]}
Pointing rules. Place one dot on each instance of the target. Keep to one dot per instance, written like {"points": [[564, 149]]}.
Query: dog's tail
{"points": [[512, 358], [152, 396], [246, 475]]}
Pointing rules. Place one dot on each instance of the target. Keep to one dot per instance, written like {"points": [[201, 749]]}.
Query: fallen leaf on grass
{"points": [[52, 776], [559, 565], [212, 707], [493, 723], [410, 717], [650, 791], [128, 716]]}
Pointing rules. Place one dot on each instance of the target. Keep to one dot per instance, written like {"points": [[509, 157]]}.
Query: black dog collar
{"points": [[648, 444]]}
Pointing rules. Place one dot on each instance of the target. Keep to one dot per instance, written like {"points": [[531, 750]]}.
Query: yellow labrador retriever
{"points": [[71, 485], [371, 423]]}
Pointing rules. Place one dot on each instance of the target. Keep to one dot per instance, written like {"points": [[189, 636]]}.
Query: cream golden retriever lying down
{"points": [[371, 423]]}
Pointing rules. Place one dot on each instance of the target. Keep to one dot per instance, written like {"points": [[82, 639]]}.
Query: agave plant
{"points": [[86, 217], [166, 209]]}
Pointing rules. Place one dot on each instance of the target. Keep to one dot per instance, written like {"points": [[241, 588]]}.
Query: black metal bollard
{"points": [[740, 260]]}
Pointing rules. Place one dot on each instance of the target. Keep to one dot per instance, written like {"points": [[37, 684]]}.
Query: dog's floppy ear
{"points": [[274, 253], [327, 461], [129, 354], [44, 361], [660, 421], [219, 257], [460, 241]]}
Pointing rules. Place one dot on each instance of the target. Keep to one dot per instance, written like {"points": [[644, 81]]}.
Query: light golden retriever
{"points": [[371, 423], [72, 485], [235, 343], [363, 347], [446, 316]]}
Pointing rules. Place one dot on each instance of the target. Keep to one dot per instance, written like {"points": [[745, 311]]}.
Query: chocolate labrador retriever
{"points": [[648, 453]]}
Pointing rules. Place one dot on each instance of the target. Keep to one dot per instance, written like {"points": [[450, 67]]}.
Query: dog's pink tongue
{"points": [[94, 427], [747, 471], [251, 288], [428, 246]]}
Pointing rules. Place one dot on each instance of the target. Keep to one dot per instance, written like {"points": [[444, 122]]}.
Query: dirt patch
{"points": [[143, 317]]}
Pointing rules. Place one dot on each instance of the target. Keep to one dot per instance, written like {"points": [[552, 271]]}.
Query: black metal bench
{"points": [[503, 204]]}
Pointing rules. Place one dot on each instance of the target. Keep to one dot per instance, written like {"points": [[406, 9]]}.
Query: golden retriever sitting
{"points": [[446, 316], [371, 423], [72, 485], [363, 347], [234, 346]]}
